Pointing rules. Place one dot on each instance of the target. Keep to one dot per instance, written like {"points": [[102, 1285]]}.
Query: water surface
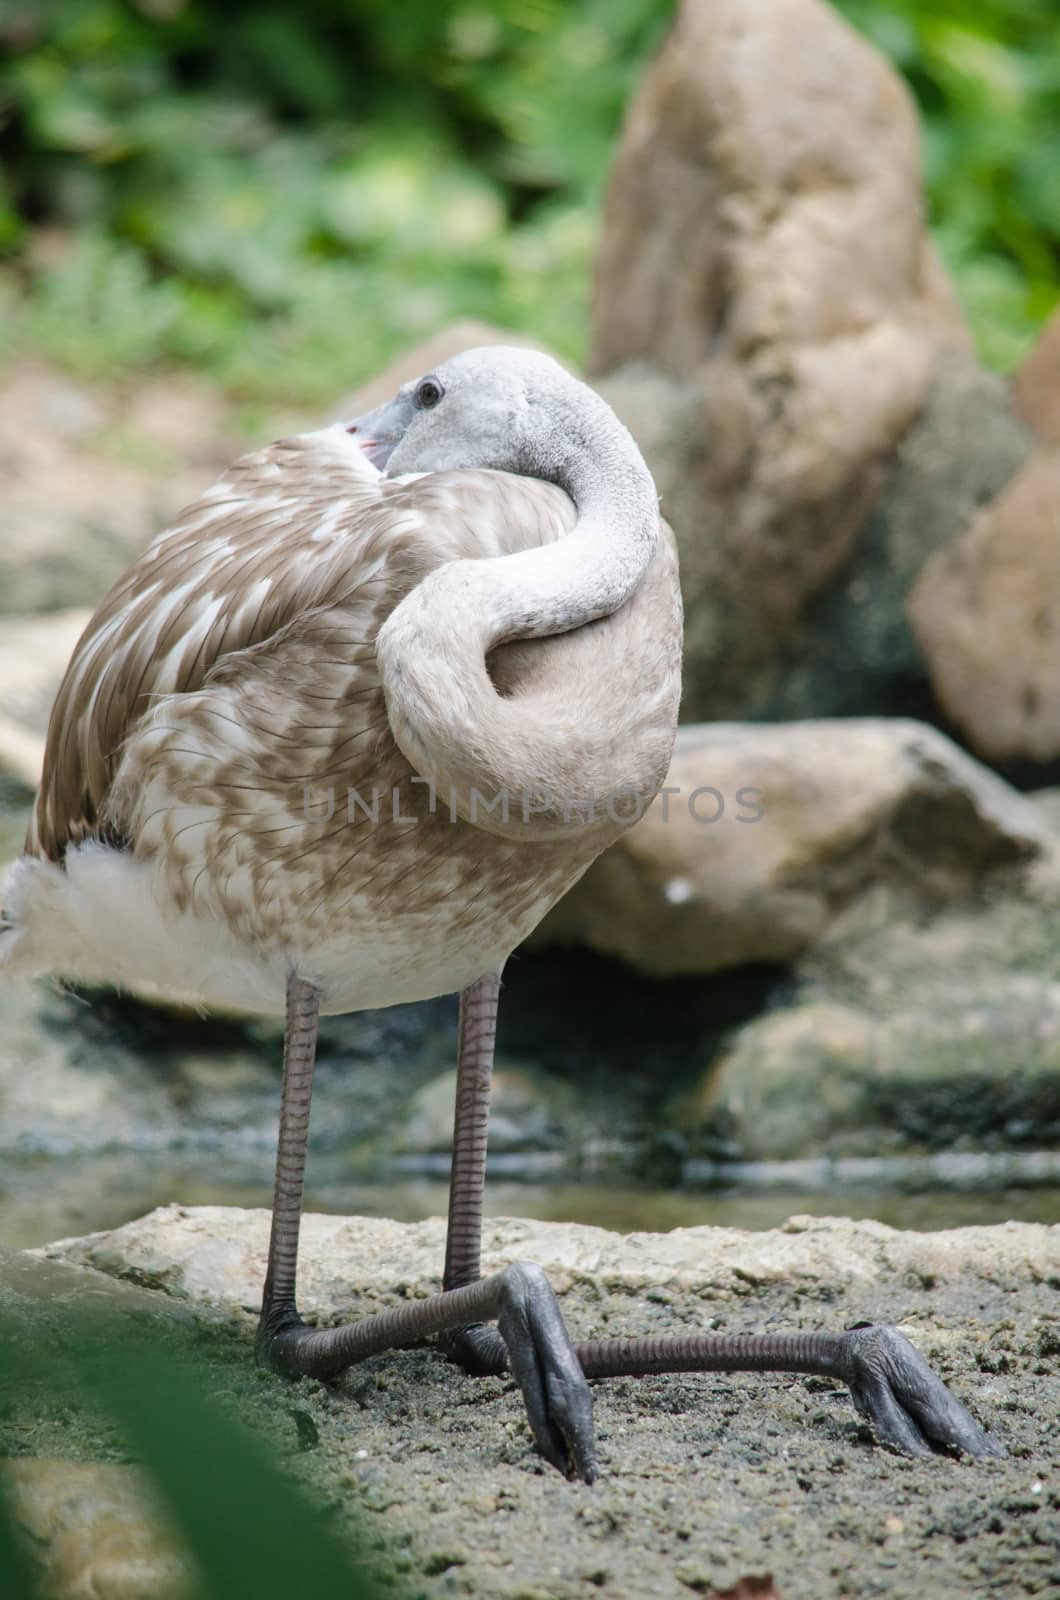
{"points": [[47, 1197]]}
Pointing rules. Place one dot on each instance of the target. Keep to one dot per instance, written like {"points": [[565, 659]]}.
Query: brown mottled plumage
{"points": [[226, 696]]}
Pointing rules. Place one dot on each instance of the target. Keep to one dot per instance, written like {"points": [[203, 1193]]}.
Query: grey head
{"points": [[510, 409]]}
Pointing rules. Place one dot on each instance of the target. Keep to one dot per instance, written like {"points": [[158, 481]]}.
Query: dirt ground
{"points": [[707, 1481]]}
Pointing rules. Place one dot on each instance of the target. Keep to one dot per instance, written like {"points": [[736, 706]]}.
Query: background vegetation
{"points": [[280, 194]]}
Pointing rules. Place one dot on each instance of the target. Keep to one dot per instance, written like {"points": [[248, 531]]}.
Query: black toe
{"points": [[909, 1406], [559, 1402]]}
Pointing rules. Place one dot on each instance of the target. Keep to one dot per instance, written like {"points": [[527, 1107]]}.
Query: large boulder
{"points": [[743, 187], [915, 896], [986, 612], [1037, 383], [766, 835], [924, 1051], [857, 651], [769, 316], [982, 606]]}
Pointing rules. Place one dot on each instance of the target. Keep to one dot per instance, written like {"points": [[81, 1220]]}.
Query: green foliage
{"points": [[250, 1533], [987, 76], [283, 194]]}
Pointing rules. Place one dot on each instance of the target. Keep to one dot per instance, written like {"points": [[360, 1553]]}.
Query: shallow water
{"points": [[45, 1197]]}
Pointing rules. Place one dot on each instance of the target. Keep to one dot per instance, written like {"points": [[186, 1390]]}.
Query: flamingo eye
{"points": [[428, 394]]}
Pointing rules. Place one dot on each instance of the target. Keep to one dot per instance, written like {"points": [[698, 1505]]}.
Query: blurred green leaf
{"points": [[233, 177], [250, 1532]]}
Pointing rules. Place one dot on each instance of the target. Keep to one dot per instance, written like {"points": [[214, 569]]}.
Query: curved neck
{"points": [[560, 586], [445, 713]]}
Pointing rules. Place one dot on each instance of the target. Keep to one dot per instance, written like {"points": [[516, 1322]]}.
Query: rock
{"points": [[856, 652], [98, 1529], [530, 1112], [919, 1036], [775, 832], [987, 617], [14, 816], [1037, 383], [742, 128], [34, 652], [772, 155], [111, 1073], [90, 478], [215, 1255], [39, 1294], [791, 1086], [65, 1088], [450, 341], [1047, 804], [21, 755]]}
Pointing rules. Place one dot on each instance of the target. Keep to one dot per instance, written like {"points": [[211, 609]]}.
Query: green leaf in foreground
{"points": [[250, 1532]]}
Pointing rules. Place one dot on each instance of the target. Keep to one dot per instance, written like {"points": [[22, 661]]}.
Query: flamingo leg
{"points": [[479, 1349], [537, 1347], [910, 1408], [890, 1383]]}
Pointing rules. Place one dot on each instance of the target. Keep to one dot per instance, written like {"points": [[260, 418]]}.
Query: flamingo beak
{"points": [[379, 432]]}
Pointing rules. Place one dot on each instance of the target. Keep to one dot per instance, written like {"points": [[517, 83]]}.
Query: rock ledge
{"points": [[216, 1255]]}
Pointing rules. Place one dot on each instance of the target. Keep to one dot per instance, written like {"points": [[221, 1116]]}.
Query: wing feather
{"points": [[298, 528]]}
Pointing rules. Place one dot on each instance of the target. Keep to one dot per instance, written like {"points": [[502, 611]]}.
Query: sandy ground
{"points": [[707, 1480]]}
